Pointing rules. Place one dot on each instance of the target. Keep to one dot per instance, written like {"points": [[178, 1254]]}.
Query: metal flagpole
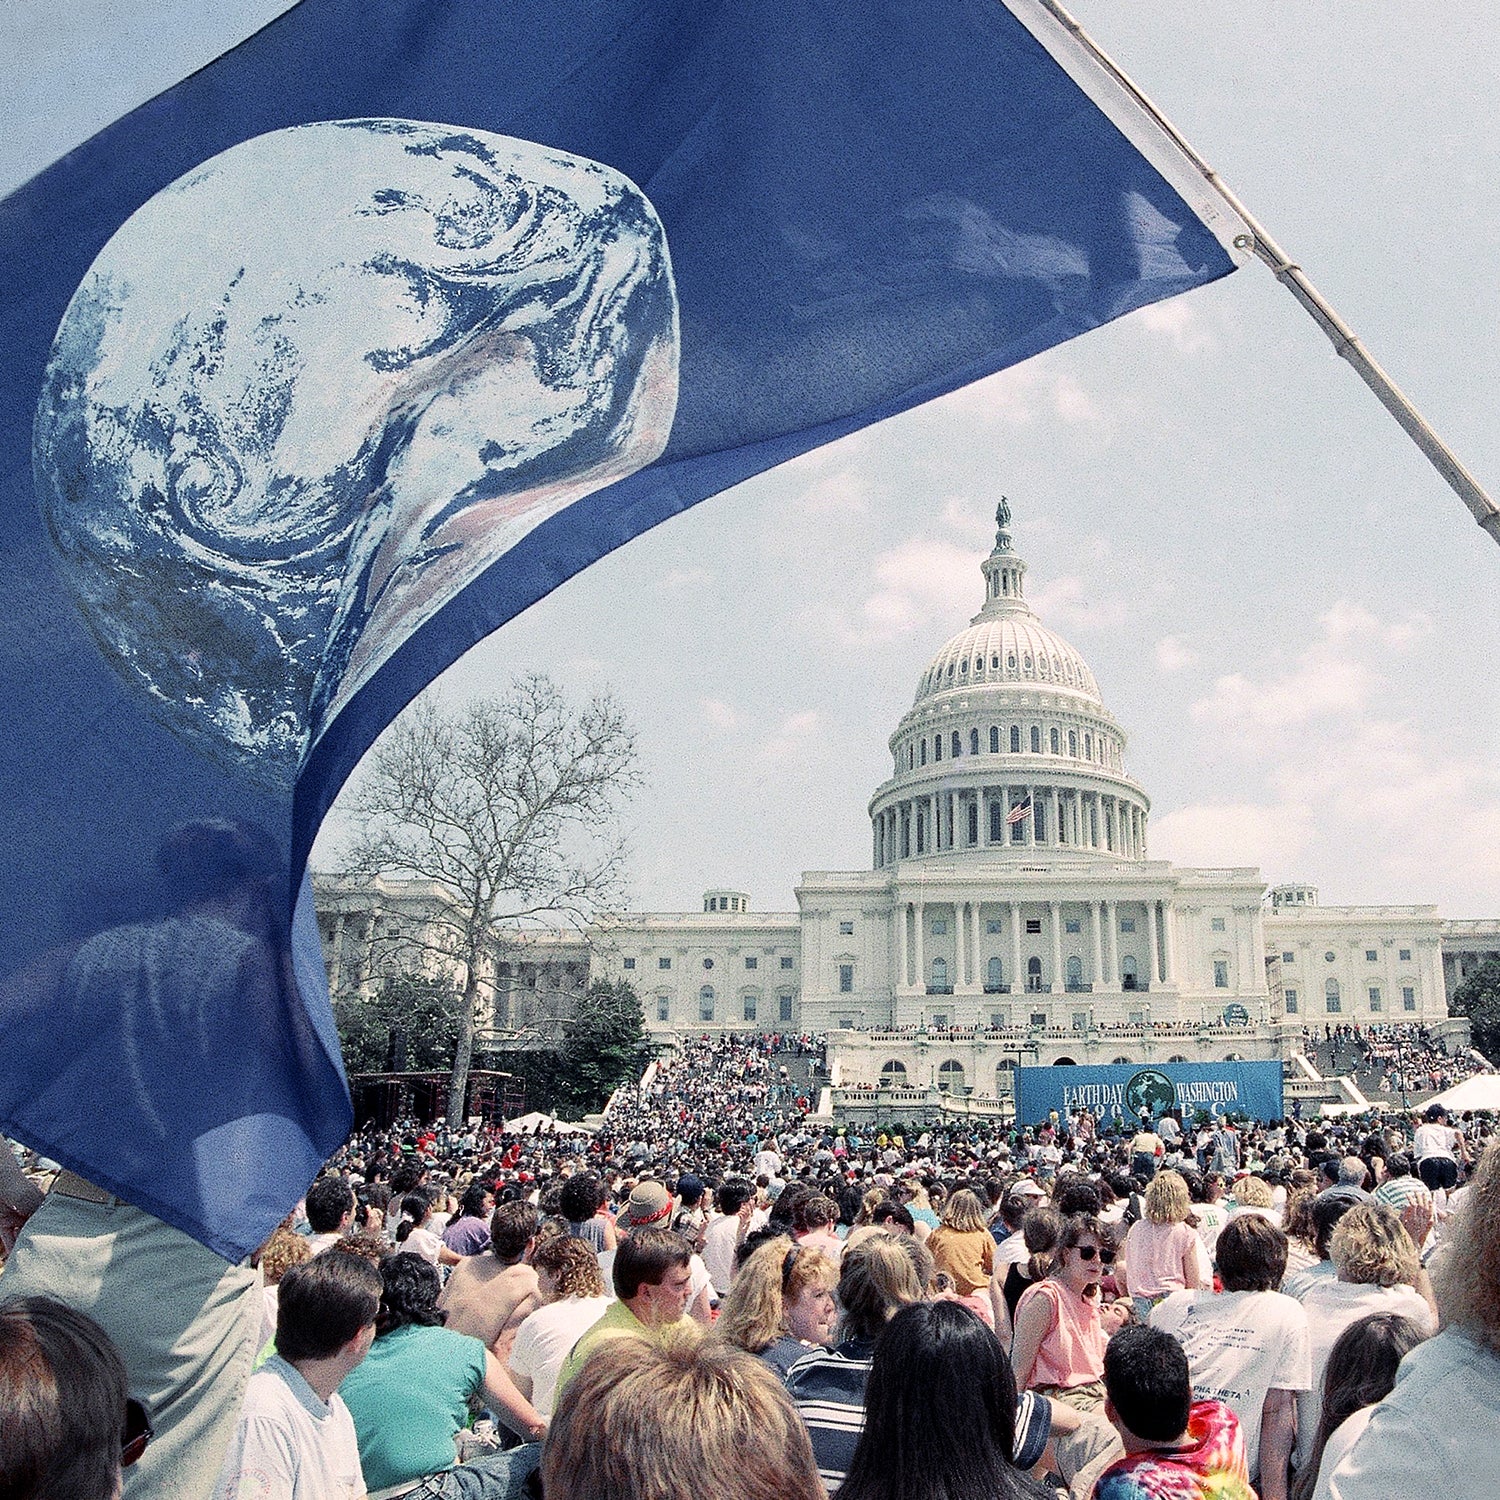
{"points": [[1291, 276]]}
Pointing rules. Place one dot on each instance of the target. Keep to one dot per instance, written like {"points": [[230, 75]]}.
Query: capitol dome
{"points": [[1008, 746]]}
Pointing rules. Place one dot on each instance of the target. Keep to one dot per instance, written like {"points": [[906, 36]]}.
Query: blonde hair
{"points": [[752, 1315], [963, 1213], [1370, 1246], [281, 1252], [656, 1422], [1253, 1192], [878, 1276], [1466, 1276], [1167, 1200]]}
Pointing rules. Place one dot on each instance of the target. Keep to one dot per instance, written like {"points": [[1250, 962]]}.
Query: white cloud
{"points": [[918, 585], [720, 715], [792, 737], [1068, 604], [1178, 321], [1273, 836], [1027, 394], [1339, 768], [1174, 653], [685, 578]]}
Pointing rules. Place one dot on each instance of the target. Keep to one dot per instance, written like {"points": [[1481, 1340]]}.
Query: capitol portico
{"points": [[1011, 912]]}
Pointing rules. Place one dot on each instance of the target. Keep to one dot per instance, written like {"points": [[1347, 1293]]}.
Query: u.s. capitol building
{"points": [[1011, 912]]}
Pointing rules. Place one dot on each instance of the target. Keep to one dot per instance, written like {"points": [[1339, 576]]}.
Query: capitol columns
{"points": [[1094, 925], [1018, 979], [1112, 943], [1152, 910], [1054, 912]]}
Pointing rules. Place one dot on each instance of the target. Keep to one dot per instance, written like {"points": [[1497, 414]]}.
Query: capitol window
{"points": [[1331, 997], [846, 927], [786, 961], [663, 1008], [940, 927], [1073, 743], [1408, 998], [846, 979], [630, 963], [1371, 956], [1406, 955], [1374, 999], [973, 742], [751, 1005], [1056, 742], [1329, 956], [937, 747], [1289, 958], [1036, 740], [752, 962], [956, 748], [1221, 974], [1291, 1002], [784, 1005], [1217, 924], [1073, 925], [706, 1003], [664, 963], [1127, 924], [708, 963], [994, 739], [1034, 925], [1088, 747], [1015, 739]]}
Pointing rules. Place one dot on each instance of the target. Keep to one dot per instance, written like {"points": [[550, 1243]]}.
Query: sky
{"points": [[1285, 607]]}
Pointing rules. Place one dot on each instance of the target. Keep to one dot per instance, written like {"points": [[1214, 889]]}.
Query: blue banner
{"points": [[1124, 1091], [335, 357]]}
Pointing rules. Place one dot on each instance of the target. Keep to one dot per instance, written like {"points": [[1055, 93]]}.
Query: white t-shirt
{"points": [[544, 1339], [719, 1242], [421, 1242], [1331, 1307], [1436, 1140], [1012, 1251], [288, 1444], [1239, 1346], [1340, 1441]]}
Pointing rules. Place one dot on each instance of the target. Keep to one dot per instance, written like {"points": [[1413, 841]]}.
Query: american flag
{"points": [[1019, 811]]}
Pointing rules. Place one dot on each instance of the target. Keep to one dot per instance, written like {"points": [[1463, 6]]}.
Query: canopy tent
{"points": [[535, 1122], [1482, 1091]]}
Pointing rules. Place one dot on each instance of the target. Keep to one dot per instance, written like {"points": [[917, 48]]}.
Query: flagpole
{"points": [[1345, 343]]}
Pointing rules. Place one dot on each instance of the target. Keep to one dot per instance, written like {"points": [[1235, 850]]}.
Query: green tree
{"points": [[508, 804], [422, 1011], [1478, 998], [603, 1046]]}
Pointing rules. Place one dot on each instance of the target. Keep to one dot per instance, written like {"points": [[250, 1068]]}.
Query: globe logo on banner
{"points": [[1150, 1092]]}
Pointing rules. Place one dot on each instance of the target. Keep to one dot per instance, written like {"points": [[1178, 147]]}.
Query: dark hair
{"points": [[1146, 1375], [644, 1258], [62, 1403], [940, 1411], [1327, 1209], [1361, 1370], [734, 1194], [471, 1206], [512, 1225], [753, 1241], [328, 1200], [1251, 1254], [324, 1302], [580, 1198], [415, 1207], [405, 1175], [409, 1294], [893, 1213], [1076, 1195]]}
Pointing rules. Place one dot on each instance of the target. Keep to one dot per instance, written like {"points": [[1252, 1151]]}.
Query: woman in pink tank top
{"points": [[1059, 1343]]}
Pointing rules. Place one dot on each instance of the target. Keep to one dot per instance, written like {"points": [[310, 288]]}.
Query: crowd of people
{"points": [[1396, 1060], [712, 1293]]}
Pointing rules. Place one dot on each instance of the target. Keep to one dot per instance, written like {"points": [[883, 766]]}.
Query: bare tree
{"points": [[510, 804]]}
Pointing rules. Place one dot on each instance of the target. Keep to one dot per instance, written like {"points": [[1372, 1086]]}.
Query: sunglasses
{"points": [[1088, 1252], [136, 1433]]}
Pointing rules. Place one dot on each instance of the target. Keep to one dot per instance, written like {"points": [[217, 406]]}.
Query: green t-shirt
{"points": [[409, 1398]]}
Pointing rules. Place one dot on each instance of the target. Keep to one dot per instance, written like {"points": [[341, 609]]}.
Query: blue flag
{"points": [[339, 354]]}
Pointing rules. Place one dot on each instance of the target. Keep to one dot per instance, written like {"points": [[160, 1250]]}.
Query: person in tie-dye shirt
{"points": [[1175, 1448]]}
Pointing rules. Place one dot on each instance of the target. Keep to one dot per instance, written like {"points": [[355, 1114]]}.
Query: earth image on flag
{"points": [[1150, 1091]]}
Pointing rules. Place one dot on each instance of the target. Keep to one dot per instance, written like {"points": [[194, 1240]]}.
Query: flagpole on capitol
{"points": [[1346, 345]]}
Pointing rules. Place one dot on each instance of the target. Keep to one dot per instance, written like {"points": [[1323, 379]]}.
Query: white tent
{"points": [[1482, 1091], [536, 1121]]}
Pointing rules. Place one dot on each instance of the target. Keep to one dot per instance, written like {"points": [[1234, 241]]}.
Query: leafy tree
{"points": [[509, 804], [420, 1011], [1478, 998], [604, 1045]]}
